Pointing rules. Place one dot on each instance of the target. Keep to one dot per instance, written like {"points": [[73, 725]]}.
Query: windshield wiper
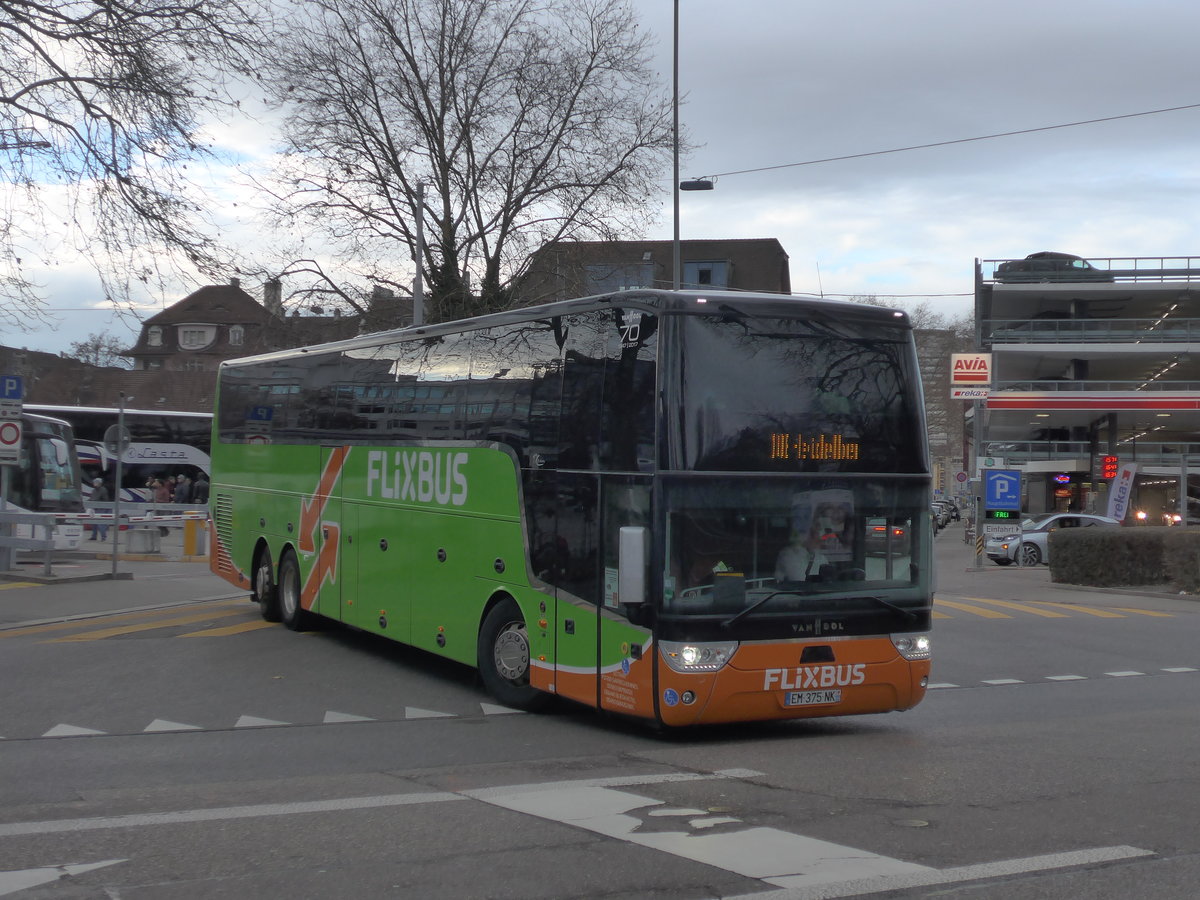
{"points": [[908, 614], [732, 620]]}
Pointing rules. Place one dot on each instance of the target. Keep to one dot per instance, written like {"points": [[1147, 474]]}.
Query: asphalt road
{"points": [[179, 747]]}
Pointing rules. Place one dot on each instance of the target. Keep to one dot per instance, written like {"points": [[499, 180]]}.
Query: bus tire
{"points": [[264, 590], [504, 658], [291, 613]]}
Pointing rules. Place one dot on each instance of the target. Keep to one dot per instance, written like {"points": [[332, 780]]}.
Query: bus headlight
{"points": [[912, 646], [709, 656]]}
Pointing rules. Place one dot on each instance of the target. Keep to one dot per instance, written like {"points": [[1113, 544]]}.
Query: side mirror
{"points": [[633, 547]]}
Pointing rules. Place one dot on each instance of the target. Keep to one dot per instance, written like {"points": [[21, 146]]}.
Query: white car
{"points": [[1031, 541]]}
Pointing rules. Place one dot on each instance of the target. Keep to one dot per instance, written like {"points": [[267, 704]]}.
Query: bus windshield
{"points": [[813, 394], [731, 542]]}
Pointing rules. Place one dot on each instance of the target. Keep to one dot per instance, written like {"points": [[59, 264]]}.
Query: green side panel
{"points": [[425, 536]]}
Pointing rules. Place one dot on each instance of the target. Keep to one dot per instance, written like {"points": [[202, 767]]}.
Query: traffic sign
{"points": [[10, 442], [12, 393], [1002, 489], [960, 477], [116, 440]]}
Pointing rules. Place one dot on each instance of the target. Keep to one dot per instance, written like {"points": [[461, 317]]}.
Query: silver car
{"points": [[1031, 541]]}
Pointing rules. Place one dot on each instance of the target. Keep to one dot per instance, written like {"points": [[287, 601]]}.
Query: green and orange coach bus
{"points": [[687, 507]]}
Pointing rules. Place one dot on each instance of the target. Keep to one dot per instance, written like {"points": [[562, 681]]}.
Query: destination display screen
{"points": [[804, 394], [802, 447]]}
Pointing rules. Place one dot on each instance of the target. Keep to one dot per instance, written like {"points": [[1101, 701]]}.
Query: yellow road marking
{"points": [[9, 585], [975, 610], [229, 629], [1021, 607], [941, 615], [82, 623], [146, 626], [1086, 610], [1146, 612]]}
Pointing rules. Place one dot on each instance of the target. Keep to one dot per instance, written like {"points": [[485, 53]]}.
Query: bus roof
{"points": [[34, 418], [62, 409], [651, 300]]}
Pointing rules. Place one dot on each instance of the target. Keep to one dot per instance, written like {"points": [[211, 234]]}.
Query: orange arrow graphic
{"points": [[325, 566]]}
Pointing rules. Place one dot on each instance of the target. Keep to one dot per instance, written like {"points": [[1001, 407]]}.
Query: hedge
{"points": [[1127, 557]]}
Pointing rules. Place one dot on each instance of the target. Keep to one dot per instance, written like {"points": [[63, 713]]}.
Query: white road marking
{"points": [[1066, 678], [860, 887], [755, 852], [22, 879], [166, 725], [415, 712], [256, 722], [70, 731], [806, 868], [491, 709], [1004, 681], [332, 717], [220, 814], [1182, 669], [1124, 674]]}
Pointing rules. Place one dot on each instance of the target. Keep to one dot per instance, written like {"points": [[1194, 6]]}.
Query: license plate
{"points": [[811, 698]]}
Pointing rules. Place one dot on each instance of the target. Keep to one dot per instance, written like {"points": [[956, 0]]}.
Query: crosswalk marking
{"points": [[1145, 612], [240, 628], [1086, 610], [976, 610], [84, 621], [146, 626], [1020, 607]]}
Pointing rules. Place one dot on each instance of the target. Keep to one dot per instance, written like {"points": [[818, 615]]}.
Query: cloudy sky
{"points": [[768, 84]]}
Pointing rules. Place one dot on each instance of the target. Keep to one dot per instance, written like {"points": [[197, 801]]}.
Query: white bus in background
{"points": [[163, 444], [46, 478]]}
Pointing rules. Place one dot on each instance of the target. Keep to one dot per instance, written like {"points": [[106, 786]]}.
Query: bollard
{"points": [[195, 537]]}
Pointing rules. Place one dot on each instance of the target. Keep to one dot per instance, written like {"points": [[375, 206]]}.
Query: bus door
{"points": [[324, 534], [625, 663]]}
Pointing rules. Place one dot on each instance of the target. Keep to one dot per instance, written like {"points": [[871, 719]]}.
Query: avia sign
{"points": [[970, 376]]}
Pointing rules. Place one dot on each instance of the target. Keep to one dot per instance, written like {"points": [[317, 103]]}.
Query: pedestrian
{"points": [[99, 495], [162, 490], [183, 489], [160, 493], [200, 489]]}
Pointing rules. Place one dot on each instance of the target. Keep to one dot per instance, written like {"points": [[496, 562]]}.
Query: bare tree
{"points": [[523, 121], [101, 104], [100, 350]]}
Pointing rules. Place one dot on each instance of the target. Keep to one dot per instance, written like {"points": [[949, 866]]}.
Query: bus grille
{"points": [[222, 513]]}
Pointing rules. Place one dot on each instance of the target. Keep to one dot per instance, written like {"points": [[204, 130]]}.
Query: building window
{"points": [[154, 336], [237, 335], [705, 274], [194, 365], [195, 337]]}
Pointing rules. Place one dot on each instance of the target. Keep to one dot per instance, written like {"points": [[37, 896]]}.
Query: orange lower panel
{"points": [[866, 678]]}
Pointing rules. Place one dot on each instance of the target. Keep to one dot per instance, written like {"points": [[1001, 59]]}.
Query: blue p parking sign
{"points": [[1002, 489]]}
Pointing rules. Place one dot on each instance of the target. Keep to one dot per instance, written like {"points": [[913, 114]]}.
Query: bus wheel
{"points": [[504, 658], [293, 615], [265, 594]]}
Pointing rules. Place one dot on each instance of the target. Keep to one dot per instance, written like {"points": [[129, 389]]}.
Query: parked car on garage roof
{"points": [[1049, 265]]}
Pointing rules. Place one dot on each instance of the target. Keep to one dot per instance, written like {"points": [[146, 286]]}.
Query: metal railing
{"points": [[1090, 331], [141, 516]]}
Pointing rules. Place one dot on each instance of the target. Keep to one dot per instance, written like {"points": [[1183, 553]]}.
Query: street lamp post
{"points": [[698, 184], [675, 148]]}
